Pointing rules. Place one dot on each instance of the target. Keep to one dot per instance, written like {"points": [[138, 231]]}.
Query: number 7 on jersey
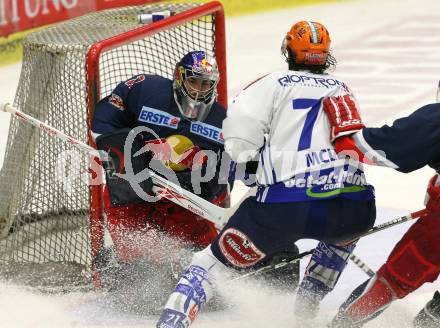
{"points": [[314, 105]]}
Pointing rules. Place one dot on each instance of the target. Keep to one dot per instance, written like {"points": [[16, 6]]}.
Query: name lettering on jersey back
{"points": [[208, 131], [322, 156], [313, 81], [158, 117]]}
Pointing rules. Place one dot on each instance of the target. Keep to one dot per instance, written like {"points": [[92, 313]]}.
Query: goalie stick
{"points": [[354, 258], [162, 187]]}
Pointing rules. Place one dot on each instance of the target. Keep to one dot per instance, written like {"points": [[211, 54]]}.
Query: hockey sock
{"points": [[365, 303], [194, 289]]}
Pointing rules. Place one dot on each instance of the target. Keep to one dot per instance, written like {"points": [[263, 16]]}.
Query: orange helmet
{"points": [[309, 42]]}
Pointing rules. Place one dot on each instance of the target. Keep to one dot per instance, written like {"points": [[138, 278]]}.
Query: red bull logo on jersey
{"points": [[208, 131], [158, 117], [312, 81], [116, 101]]}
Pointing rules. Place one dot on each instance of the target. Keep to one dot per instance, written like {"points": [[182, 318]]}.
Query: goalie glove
{"points": [[343, 116], [432, 198], [177, 152], [114, 163]]}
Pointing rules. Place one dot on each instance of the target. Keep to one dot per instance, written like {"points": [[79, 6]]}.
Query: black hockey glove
{"points": [[120, 180]]}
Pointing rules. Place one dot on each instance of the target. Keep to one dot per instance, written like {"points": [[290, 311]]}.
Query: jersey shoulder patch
{"points": [[137, 79]]}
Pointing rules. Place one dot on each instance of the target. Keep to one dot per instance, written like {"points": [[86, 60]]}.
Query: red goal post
{"points": [[51, 215]]}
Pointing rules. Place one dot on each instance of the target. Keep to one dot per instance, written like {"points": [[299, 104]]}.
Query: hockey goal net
{"points": [[50, 205]]}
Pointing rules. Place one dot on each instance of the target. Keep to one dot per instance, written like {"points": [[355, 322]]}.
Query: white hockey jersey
{"points": [[280, 118]]}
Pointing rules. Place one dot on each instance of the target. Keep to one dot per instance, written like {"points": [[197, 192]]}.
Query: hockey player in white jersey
{"points": [[304, 189]]}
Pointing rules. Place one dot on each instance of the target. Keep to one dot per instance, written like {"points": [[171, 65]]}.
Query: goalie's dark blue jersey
{"points": [[148, 100], [408, 144]]}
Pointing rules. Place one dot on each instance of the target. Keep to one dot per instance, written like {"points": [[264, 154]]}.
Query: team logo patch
{"points": [[238, 249], [158, 117], [208, 131], [116, 101], [133, 81]]}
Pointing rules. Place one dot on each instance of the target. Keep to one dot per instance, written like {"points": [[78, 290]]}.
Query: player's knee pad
{"points": [[408, 268]]}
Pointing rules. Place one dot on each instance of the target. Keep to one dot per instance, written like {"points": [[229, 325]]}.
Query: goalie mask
{"points": [[195, 84], [308, 43]]}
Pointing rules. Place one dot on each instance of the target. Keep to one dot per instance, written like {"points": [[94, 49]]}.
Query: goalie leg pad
{"points": [[127, 226], [183, 224]]}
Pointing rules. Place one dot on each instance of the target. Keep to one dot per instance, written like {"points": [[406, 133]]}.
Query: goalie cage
{"points": [[51, 221]]}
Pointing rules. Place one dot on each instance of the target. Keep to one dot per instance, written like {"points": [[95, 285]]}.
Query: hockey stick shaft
{"points": [[361, 265], [394, 222], [271, 267], [48, 129], [355, 259], [162, 187]]}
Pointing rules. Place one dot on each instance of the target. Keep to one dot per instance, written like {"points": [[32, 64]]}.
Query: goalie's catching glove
{"points": [[343, 116]]}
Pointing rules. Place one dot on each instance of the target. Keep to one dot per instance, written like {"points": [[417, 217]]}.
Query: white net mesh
{"points": [[44, 183]]}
